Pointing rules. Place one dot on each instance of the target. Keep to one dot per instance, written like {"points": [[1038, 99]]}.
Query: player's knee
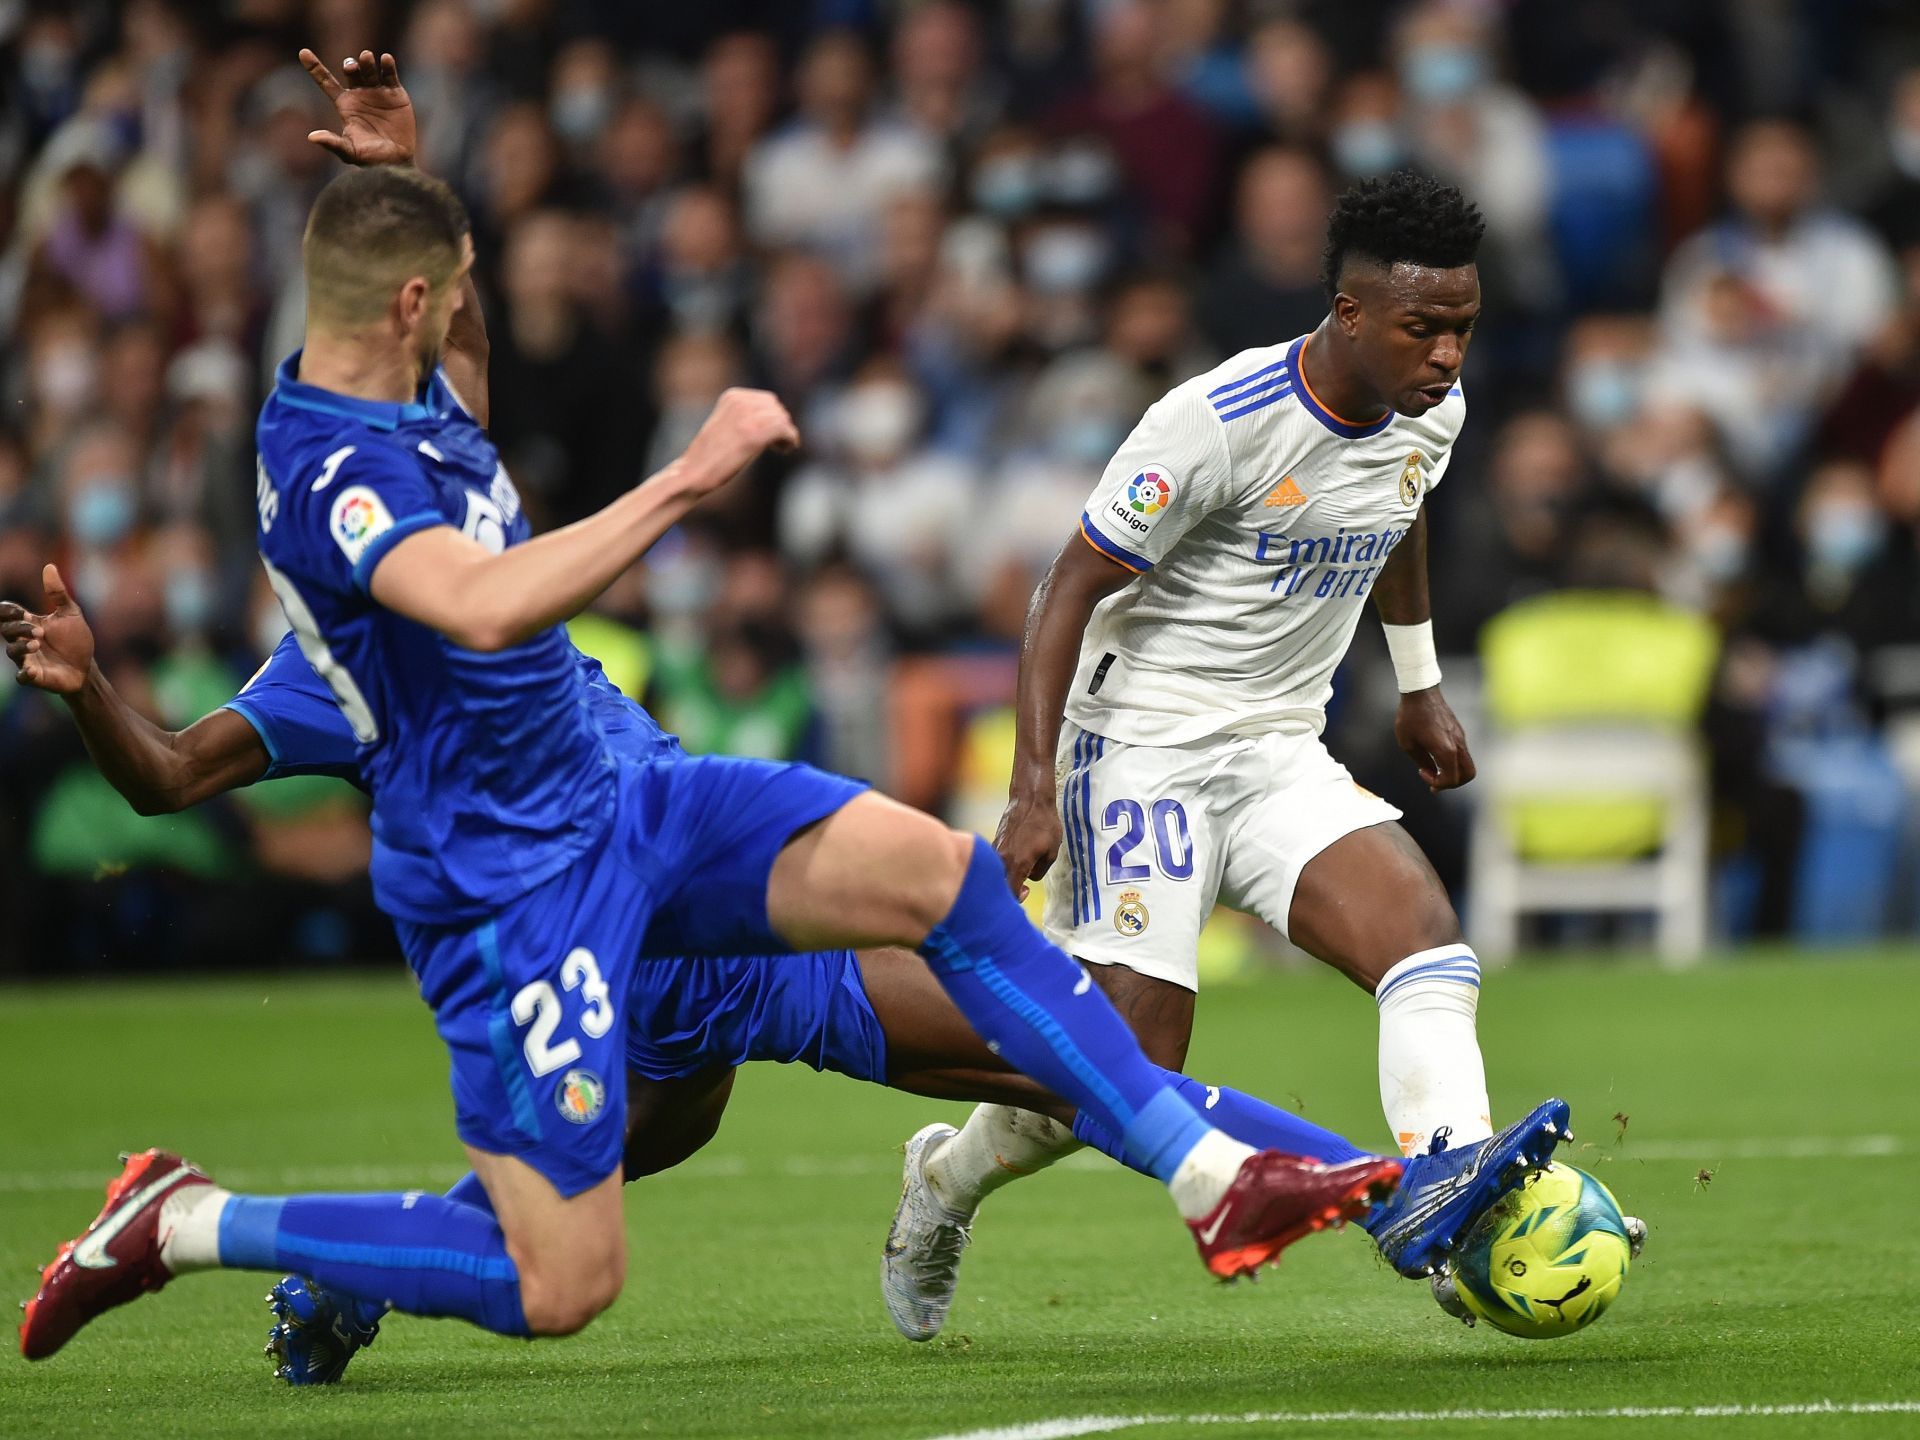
{"points": [[563, 1299], [933, 880]]}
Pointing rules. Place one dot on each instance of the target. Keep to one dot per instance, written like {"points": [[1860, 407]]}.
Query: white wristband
{"points": [[1415, 665]]}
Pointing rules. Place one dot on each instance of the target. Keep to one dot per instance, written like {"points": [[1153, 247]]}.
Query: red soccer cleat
{"points": [[1277, 1199], [117, 1259]]}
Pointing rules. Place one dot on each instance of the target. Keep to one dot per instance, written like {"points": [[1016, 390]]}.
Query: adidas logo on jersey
{"points": [[1287, 492]]}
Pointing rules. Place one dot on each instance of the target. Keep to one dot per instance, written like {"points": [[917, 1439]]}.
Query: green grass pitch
{"points": [[1790, 1278]]}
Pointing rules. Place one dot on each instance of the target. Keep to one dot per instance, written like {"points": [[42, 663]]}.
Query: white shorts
{"points": [[1157, 834]]}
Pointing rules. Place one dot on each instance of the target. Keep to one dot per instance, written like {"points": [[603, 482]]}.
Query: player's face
{"points": [[1410, 327]]}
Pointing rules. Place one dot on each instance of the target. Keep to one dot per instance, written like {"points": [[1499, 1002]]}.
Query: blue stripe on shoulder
{"points": [[1258, 404], [1220, 390]]}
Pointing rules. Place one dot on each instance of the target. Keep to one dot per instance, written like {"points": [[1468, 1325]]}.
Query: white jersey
{"points": [[1258, 522]]}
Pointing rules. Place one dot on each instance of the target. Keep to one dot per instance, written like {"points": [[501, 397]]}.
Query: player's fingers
{"points": [[11, 611], [369, 68], [389, 70], [55, 587], [327, 140], [322, 76], [1020, 894]]}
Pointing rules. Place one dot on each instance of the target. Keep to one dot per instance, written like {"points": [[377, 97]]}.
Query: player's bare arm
{"points": [[1425, 725], [378, 127], [158, 771], [1028, 839], [490, 602]]}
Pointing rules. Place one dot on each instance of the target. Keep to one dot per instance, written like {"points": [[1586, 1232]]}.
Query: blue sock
{"points": [[1250, 1121], [423, 1254], [468, 1191], [1039, 1011]]}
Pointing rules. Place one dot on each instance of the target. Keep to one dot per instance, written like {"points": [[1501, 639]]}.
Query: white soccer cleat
{"points": [[920, 1264], [1447, 1294]]}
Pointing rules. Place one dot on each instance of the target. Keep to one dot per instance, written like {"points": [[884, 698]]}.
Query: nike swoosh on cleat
{"points": [[1212, 1232], [91, 1251]]}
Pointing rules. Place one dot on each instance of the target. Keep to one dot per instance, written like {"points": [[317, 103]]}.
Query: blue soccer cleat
{"points": [[1444, 1191], [315, 1332]]}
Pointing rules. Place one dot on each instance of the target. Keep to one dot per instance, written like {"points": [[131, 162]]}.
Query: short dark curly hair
{"points": [[1402, 216]]}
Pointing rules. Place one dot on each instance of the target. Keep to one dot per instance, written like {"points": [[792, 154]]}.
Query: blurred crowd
{"points": [[969, 243]]}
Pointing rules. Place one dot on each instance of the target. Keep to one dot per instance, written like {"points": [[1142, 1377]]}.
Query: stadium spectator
{"points": [[824, 182], [949, 236], [1765, 311], [1266, 288], [562, 392], [1167, 146]]}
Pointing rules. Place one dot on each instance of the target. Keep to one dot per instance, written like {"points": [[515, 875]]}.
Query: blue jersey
{"points": [[488, 773], [300, 723]]}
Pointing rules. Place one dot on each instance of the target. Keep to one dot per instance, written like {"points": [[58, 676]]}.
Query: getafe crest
{"points": [[1412, 484], [1130, 915], [580, 1097]]}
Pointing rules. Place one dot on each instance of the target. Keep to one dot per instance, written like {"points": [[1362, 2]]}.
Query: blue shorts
{"points": [[533, 1002], [688, 1015]]}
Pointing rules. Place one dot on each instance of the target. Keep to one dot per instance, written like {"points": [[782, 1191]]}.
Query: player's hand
{"points": [[742, 425], [1028, 840], [54, 651], [376, 114], [1431, 735]]}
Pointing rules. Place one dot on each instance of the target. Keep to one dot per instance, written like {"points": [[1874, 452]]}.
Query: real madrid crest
{"points": [[1411, 485], [1130, 915]]}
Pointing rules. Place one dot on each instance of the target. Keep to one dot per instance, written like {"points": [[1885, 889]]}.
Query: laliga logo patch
{"points": [[1412, 486], [1130, 915], [1149, 492], [580, 1097], [354, 521], [357, 518]]}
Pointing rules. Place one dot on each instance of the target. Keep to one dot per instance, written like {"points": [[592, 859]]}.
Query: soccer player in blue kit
{"points": [[520, 854]]}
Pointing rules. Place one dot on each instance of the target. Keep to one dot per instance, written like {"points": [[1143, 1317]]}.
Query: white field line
{"points": [[816, 1166], [1072, 1425]]}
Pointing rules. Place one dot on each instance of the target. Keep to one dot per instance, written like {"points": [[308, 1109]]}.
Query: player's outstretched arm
{"points": [[1079, 579], [377, 127], [490, 602], [1425, 724], [158, 771]]}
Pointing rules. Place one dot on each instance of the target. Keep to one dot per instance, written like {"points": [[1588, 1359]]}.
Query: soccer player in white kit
{"points": [[1188, 633]]}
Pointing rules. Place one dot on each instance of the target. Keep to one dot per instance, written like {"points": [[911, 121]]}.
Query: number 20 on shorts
{"points": [[1172, 840]]}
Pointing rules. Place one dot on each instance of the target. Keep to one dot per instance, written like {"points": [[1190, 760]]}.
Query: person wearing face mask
{"points": [[1461, 121], [99, 492], [1855, 573], [585, 85], [902, 513]]}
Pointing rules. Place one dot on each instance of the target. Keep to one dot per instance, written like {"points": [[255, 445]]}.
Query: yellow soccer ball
{"points": [[1548, 1259]]}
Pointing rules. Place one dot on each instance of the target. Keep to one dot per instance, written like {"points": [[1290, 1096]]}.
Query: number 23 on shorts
{"points": [[539, 1007]]}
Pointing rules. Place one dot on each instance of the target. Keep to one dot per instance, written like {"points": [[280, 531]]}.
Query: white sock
{"points": [[190, 1228], [996, 1146], [1203, 1177], [1431, 1073]]}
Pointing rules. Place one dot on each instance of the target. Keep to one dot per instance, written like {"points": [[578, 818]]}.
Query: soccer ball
{"points": [[1548, 1259]]}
